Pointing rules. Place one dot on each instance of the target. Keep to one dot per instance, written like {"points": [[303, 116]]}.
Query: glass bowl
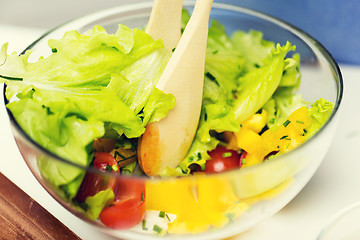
{"points": [[235, 200]]}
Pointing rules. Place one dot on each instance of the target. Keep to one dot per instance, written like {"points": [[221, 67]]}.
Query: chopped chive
{"points": [[243, 161], [11, 78], [304, 130], [215, 52], [272, 121], [173, 50], [226, 154], [283, 137], [142, 196], [287, 138], [157, 229], [212, 78], [126, 158], [168, 218], [286, 123], [116, 153], [162, 214], [54, 50], [144, 225], [199, 155], [301, 122]]}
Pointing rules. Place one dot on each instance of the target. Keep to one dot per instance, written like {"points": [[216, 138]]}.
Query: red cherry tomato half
{"points": [[96, 182], [103, 160], [128, 208], [123, 214], [129, 189], [222, 159]]}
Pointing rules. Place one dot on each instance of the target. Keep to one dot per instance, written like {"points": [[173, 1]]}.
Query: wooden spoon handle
{"points": [[186, 66], [165, 22], [166, 143]]}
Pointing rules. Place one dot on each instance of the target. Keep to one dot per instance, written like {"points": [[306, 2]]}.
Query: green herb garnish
{"points": [[226, 154], [286, 123], [157, 229], [212, 78], [162, 214], [143, 225], [283, 137], [11, 78], [116, 153]]}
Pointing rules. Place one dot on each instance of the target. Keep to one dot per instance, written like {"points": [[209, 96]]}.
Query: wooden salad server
{"points": [[166, 143], [165, 22]]}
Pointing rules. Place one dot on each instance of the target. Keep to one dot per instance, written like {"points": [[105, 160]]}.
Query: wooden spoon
{"points": [[165, 143], [165, 22]]}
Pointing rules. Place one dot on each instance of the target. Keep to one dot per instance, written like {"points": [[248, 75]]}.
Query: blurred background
{"points": [[334, 23]]}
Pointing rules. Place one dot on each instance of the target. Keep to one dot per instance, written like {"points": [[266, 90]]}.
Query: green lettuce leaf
{"points": [[218, 38], [291, 74], [281, 105], [320, 111], [257, 87], [137, 81], [223, 68], [91, 83], [284, 101], [252, 47], [95, 204], [66, 136], [158, 106]]}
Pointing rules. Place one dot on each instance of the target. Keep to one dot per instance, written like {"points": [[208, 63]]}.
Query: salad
{"points": [[90, 101]]}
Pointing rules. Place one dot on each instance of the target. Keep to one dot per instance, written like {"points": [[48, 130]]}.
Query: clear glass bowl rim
{"points": [[93, 17]]}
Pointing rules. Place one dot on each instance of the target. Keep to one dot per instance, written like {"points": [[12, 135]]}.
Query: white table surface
{"points": [[334, 186]]}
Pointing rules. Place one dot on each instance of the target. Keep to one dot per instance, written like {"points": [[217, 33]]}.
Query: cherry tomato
{"points": [[96, 182], [128, 207], [222, 159], [103, 160], [123, 214], [129, 188]]}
